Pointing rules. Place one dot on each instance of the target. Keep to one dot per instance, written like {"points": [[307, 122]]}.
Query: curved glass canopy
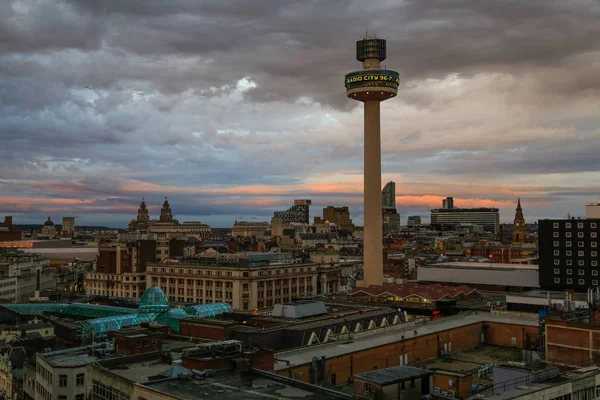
{"points": [[154, 300]]}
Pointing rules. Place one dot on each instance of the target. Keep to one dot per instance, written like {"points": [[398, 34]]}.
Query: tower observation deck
{"points": [[372, 85]]}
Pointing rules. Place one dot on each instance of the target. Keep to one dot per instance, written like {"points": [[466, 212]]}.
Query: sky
{"points": [[234, 108]]}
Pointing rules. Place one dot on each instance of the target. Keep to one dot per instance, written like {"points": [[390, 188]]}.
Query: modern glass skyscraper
{"points": [[388, 196], [390, 216]]}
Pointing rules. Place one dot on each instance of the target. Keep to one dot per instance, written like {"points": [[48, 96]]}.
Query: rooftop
{"points": [[479, 265], [391, 334], [231, 385], [387, 376]]}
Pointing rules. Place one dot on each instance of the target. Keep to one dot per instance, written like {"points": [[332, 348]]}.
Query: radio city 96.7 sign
{"points": [[376, 77]]}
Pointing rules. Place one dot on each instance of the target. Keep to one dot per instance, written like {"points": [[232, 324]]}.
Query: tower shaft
{"points": [[373, 225], [371, 86]]}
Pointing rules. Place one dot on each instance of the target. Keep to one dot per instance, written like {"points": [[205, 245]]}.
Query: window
{"points": [[580, 244], [594, 263], [556, 262], [568, 225], [582, 282], [569, 253], [557, 252], [569, 262], [79, 379], [569, 281], [595, 272], [579, 234], [555, 234], [557, 270], [79, 397], [581, 272], [595, 282], [593, 225], [580, 225], [62, 397], [594, 244], [580, 263], [580, 253], [556, 244], [568, 243], [62, 380], [568, 234], [569, 272], [593, 235], [245, 287], [594, 254], [556, 280], [555, 225]]}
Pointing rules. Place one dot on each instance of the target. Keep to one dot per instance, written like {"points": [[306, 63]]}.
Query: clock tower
{"points": [[519, 233]]}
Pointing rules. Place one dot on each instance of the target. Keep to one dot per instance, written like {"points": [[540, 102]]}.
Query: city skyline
{"points": [[105, 103]]}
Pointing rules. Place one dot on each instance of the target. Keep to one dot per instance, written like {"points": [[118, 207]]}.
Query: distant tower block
{"points": [[372, 85]]}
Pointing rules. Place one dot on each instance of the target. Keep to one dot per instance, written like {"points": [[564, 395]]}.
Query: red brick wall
{"points": [[107, 262], [264, 360], [501, 334], [462, 386], [10, 236], [421, 348], [572, 343], [204, 331], [201, 365], [418, 349]]}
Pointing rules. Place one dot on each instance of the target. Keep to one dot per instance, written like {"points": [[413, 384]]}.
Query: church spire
{"points": [[519, 230]]}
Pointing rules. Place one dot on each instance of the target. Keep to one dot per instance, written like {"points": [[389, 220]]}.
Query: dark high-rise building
{"points": [[568, 253], [489, 218], [298, 213], [339, 216], [414, 220], [388, 196], [390, 216], [448, 203]]}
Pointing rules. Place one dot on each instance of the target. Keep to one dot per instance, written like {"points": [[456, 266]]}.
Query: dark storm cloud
{"points": [[203, 93]]}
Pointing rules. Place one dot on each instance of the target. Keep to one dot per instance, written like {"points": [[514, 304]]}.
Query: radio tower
{"points": [[372, 85]]}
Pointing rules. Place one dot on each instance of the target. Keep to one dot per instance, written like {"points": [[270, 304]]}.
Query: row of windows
{"points": [[580, 253], [108, 393], [568, 243], [115, 277], [227, 273], [63, 380], [579, 234], [580, 271], [581, 263], [581, 281], [569, 225]]}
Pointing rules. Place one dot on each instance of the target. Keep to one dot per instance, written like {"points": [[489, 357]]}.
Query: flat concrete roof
{"points": [[480, 265], [304, 355]]}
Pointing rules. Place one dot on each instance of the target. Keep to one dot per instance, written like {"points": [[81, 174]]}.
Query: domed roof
{"points": [[154, 300], [49, 222]]}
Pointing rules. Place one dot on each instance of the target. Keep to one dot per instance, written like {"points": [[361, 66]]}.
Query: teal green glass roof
{"points": [[74, 309], [36, 308], [100, 326], [154, 300], [208, 310], [172, 318]]}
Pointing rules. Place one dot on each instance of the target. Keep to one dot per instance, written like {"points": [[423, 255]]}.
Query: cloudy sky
{"points": [[235, 108]]}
